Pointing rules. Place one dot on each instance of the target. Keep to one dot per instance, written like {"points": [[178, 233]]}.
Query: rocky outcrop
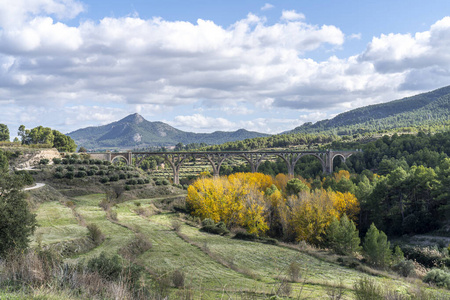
{"points": [[31, 157]]}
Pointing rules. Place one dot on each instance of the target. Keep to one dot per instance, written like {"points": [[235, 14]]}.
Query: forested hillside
{"points": [[432, 108]]}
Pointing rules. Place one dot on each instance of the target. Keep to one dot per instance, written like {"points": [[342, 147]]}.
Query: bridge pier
{"points": [[291, 160], [254, 160], [216, 160], [175, 161]]}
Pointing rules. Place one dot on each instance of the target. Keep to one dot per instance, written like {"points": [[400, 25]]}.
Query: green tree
{"points": [[17, 222], [63, 142], [4, 133], [343, 237], [295, 186], [377, 248]]}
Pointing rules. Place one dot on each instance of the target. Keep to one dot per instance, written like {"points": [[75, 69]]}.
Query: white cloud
{"points": [[267, 6], [291, 15], [124, 65]]}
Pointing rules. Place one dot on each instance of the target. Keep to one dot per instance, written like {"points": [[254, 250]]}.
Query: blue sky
{"points": [[204, 65]]}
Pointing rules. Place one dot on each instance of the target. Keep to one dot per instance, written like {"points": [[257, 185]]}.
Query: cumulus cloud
{"points": [[291, 15], [128, 64], [267, 6]]}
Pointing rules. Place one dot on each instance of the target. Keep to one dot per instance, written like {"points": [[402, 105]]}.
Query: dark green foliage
{"points": [[45, 135], [25, 177], [376, 247], [438, 277], [4, 133], [114, 178], [343, 237], [109, 268], [69, 175], [17, 223], [58, 175], [296, 186], [104, 179], [80, 174], [178, 278], [208, 222], [427, 256], [209, 226], [57, 161], [70, 168], [44, 161]]}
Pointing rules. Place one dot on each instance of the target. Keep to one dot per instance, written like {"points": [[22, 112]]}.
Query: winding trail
{"points": [[38, 185]]}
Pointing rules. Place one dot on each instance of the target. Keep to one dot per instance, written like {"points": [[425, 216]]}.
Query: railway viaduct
{"points": [[216, 158]]}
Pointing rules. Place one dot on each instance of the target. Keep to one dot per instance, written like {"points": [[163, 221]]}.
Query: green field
{"points": [[214, 266]]}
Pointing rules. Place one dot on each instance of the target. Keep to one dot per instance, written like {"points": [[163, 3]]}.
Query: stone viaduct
{"points": [[216, 158]]}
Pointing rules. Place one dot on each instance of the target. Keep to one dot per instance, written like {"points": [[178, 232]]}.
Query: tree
{"points": [[4, 133], [343, 237], [82, 150], [17, 222], [295, 186], [377, 248]]}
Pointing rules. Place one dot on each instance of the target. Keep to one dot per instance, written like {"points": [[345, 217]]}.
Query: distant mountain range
{"points": [[134, 131], [423, 109]]}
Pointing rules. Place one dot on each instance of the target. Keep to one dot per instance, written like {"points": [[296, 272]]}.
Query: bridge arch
{"points": [[119, 157]]}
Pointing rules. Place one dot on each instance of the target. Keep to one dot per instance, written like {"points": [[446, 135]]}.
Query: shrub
{"points": [[65, 161], [97, 161], [178, 277], [58, 175], [136, 247], [131, 182], [56, 160], [165, 182], [428, 256], [294, 271], [114, 178], [158, 181], [366, 288], [90, 173], [81, 168], [405, 268], [109, 268], [106, 163], [70, 168], [244, 235], [72, 161], [95, 234], [100, 173], [207, 222], [439, 277], [44, 161], [59, 169], [94, 168], [69, 175], [140, 181], [122, 176], [81, 174], [176, 225], [104, 179], [127, 188]]}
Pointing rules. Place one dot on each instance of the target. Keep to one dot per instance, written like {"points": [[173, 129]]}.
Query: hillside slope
{"points": [[134, 131], [423, 109]]}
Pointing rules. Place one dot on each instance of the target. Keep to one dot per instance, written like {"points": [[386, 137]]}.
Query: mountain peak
{"points": [[133, 118]]}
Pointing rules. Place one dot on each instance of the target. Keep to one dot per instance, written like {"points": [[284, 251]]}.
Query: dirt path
{"points": [[38, 185]]}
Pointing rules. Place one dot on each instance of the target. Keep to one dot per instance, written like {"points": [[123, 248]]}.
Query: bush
{"points": [[165, 182], [104, 179], [95, 234], [140, 181], [44, 161], [405, 268], [208, 222], [90, 173], [131, 182], [56, 160], [427, 256], [158, 181], [136, 247], [244, 235], [94, 168], [69, 175], [178, 278], [294, 271], [100, 173], [58, 175], [65, 161], [439, 277], [122, 176], [366, 288], [109, 268], [81, 168], [59, 169], [114, 178], [81, 174], [70, 168]]}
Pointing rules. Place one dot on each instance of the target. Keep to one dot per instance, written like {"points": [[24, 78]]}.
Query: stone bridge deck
{"points": [[216, 158]]}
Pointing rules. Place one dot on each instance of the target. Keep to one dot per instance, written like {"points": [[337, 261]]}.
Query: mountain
{"points": [[134, 131], [424, 109]]}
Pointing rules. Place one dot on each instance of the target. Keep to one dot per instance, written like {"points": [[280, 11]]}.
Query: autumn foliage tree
{"points": [[263, 204]]}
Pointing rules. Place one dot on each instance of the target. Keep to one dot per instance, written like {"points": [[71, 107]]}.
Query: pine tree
{"points": [[377, 248], [343, 237]]}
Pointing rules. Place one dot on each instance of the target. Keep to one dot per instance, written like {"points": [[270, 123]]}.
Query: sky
{"points": [[204, 65]]}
